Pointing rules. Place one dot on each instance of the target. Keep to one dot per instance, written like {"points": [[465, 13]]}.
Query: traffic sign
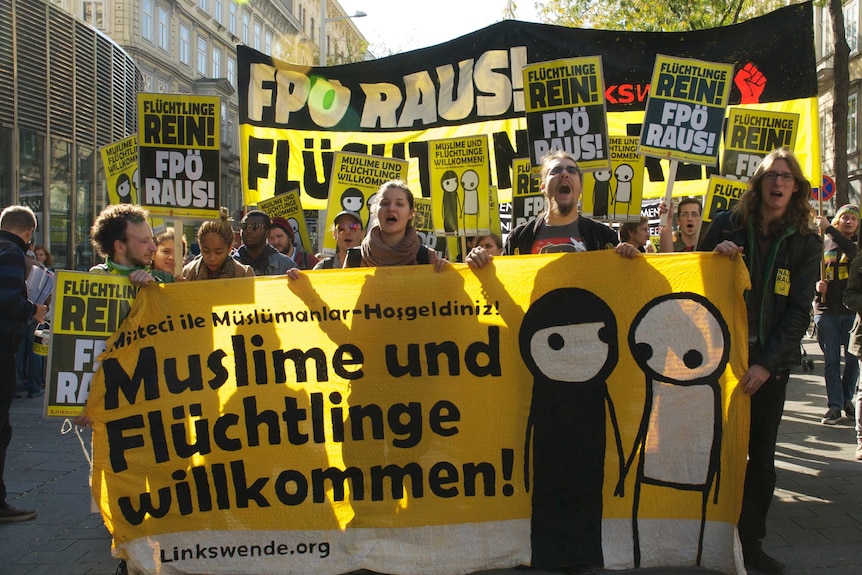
{"points": [[827, 188]]}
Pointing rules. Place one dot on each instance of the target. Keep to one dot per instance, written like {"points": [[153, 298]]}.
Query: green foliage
{"points": [[652, 16]]}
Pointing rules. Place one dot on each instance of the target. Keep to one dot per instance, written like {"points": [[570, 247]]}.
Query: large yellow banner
{"points": [[407, 421]]}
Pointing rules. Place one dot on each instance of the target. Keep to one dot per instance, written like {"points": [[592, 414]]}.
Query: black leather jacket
{"points": [[789, 274]]}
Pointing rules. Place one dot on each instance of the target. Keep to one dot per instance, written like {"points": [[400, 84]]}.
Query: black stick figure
{"points": [[568, 340]]}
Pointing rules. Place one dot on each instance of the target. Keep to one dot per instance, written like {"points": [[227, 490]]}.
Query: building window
{"points": [[185, 44], [246, 22], [257, 36], [94, 13], [163, 87], [219, 11], [267, 45], [147, 19], [852, 123], [216, 63], [164, 30], [231, 23], [231, 70], [851, 25], [202, 56], [204, 5], [224, 139]]}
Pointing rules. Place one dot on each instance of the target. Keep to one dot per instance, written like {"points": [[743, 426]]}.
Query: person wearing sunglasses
{"points": [[264, 259], [770, 227], [561, 228], [347, 231]]}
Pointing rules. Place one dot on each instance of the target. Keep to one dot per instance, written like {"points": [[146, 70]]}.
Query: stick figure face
{"points": [[469, 180], [449, 181], [569, 335], [680, 338], [602, 175], [560, 351], [624, 173], [352, 200], [124, 187], [294, 225]]}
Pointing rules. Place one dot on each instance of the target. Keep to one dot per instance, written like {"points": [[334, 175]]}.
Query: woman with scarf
{"points": [[392, 240]]}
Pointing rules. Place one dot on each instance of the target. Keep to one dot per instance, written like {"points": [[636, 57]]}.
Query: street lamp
{"points": [[324, 21]]}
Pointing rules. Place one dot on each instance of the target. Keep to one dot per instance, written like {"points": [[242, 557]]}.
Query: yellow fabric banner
{"points": [[407, 421]]}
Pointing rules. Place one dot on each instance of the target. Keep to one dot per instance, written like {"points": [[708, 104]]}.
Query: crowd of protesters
{"points": [[772, 227]]}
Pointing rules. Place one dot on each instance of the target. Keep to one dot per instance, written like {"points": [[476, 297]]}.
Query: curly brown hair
{"points": [[110, 226]]}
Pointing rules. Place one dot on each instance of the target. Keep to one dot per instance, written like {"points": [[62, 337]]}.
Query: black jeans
{"points": [[7, 393], [767, 407]]}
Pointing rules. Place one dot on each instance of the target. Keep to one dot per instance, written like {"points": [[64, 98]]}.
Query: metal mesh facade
{"points": [[64, 84]]}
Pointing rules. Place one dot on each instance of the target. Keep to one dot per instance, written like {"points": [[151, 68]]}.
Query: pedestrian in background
{"points": [[832, 318], [853, 300], [17, 224], [282, 237], [770, 227], [44, 257]]}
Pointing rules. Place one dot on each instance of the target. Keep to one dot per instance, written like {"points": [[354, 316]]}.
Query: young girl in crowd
{"points": [[164, 258], [393, 240], [215, 238]]}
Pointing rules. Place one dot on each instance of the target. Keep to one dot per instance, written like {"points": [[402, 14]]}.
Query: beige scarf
{"points": [[375, 253]]}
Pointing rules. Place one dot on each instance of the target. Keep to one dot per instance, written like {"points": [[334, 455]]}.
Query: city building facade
{"points": [[189, 47], [59, 92], [66, 90]]}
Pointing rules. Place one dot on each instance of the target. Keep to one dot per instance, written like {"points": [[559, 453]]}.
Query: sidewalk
{"points": [[815, 521]]}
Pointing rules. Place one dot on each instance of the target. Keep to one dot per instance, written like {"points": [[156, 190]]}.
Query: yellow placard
{"points": [[752, 134], [460, 186], [180, 155], [615, 194], [685, 110], [289, 206], [120, 161], [565, 107], [721, 194]]}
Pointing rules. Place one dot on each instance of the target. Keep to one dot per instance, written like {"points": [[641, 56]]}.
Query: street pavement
{"points": [[815, 523]]}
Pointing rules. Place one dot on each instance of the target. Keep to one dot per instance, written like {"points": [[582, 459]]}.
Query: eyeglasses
{"points": [[558, 169], [689, 215], [786, 176], [252, 227], [351, 227]]}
